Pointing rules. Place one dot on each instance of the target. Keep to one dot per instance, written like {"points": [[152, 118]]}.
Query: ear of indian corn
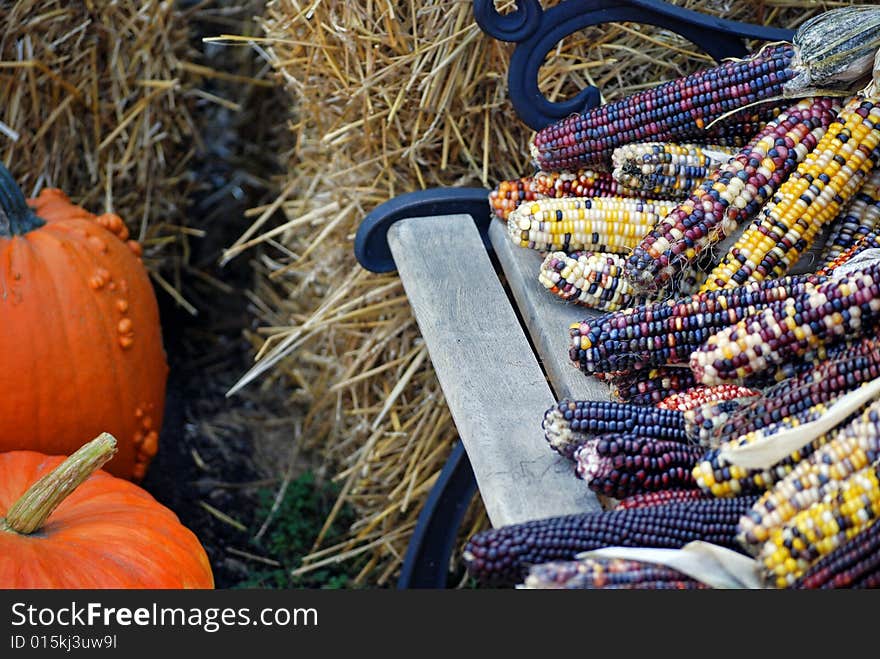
{"points": [[570, 423], [717, 476], [847, 307], [607, 574], [834, 50], [854, 564], [508, 195], [812, 196], [581, 183], [831, 54], [860, 217], [651, 385], [849, 448], [733, 194], [703, 424], [665, 169], [870, 240], [668, 332], [621, 465], [596, 280], [807, 362], [503, 555], [822, 528], [678, 110], [716, 422], [603, 224], [591, 279], [820, 382], [685, 401], [658, 498]]}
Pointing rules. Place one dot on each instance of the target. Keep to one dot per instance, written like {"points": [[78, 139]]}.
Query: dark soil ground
{"points": [[221, 460]]}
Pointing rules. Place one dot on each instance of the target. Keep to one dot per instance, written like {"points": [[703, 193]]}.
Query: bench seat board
{"points": [[547, 318], [490, 376]]}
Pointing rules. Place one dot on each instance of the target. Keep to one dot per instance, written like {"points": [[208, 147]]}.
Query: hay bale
{"points": [[389, 98], [94, 103]]}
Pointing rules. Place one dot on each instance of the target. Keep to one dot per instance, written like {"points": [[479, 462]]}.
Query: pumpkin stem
{"points": [[32, 510], [19, 217]]}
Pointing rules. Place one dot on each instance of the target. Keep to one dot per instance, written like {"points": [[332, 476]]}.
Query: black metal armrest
{"points": [[536, 32], [371, 241]]}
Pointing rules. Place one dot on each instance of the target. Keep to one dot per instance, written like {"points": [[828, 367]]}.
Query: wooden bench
{"points": [[497, 340], [499, 376]]}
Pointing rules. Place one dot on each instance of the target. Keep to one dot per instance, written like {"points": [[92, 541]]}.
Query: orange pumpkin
{"points": [[81, 343], [105, 532]]}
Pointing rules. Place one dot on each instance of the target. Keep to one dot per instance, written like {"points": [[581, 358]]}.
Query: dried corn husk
{"points": [[771, 449], [710, 564], [834, 52]]}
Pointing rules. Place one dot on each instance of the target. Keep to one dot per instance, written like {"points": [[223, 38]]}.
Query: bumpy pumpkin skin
{"points": [[109, 533], [80, 339]]}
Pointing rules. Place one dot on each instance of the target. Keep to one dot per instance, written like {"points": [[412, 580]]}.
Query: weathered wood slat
{"points": [[490, 376], [546, 317]]}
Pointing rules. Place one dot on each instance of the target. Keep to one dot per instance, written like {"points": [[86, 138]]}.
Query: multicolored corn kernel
{"points": [[502, 556], [854, 564], [860, 217], [602, 224], [702, 423], [664, 169], [508, 195], [582, 183], [695, 397], [668, 332], [591, 279], [714, 423], [650, 386], [870, 240], [805, 363], [847, 307], [607, 574], [596, 280], [718, 477], [621, 465], [678, 110], [821, 381], [658, 498], [813, 195], [570, 423], [732, 195], [848, 448], [821, 529]]}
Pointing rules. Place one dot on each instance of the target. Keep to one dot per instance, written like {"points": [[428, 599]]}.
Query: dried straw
{"points": [[95, 102], [391, 97]]}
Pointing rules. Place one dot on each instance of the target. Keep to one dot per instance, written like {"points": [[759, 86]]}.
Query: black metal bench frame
{"points": [[536, 32]]}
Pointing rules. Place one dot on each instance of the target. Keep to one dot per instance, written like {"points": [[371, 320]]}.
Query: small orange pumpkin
{"points": [[80, 338], [64, 524]]}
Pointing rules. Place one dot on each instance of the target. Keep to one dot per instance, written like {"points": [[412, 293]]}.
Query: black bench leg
{"points": [[426, 564]]}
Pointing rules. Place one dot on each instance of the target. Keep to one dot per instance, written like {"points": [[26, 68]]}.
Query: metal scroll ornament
{"points": [[536, 32]]}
